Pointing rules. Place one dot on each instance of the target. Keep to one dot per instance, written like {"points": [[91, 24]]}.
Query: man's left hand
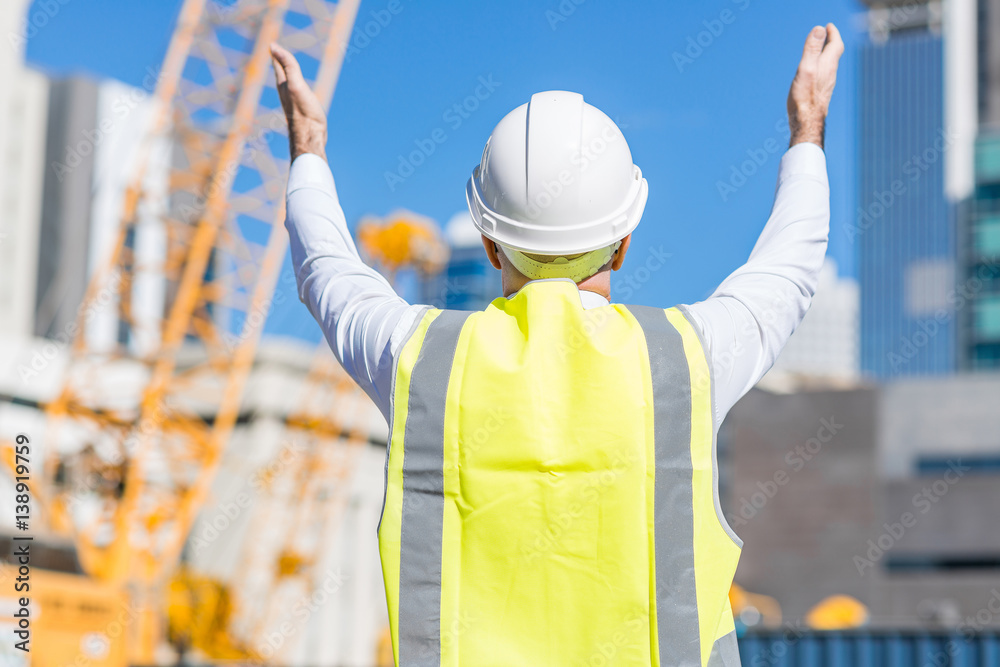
{"points": [[303, 111]]}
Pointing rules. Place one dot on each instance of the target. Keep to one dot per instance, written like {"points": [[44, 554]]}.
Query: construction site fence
{"points": [[873, 648]]}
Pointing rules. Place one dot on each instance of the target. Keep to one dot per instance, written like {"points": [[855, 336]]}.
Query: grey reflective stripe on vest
{"points": [[673, 504], [725, 652], [423, 494]]}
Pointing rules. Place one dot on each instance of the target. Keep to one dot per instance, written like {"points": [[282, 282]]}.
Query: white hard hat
{"points": [[556, 178]]}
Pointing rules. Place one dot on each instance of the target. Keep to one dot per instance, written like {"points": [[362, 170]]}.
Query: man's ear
{"points": [[491, 251], [619, 258]]}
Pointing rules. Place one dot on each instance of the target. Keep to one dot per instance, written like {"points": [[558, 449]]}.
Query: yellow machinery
{"points": [[73, 617], [155, 404], [403, 239], [754, 609], [838, 612]]}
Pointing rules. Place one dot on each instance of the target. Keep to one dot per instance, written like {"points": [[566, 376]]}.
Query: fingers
{"points": [[290, 71], [280, 78], [834, 48], [813, 47]]}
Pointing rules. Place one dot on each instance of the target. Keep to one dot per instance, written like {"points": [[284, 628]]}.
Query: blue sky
{"points": [[690, 113]]}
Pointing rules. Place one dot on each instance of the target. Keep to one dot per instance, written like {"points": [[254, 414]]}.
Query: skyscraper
{"points": [[979, 286], [916, 126], [905, 225]]}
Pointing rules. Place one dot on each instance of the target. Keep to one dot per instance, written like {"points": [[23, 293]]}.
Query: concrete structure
{"points": [[244, 530], [256, 511], [67, 150], [988, 57], [826, 342], [65, 228], [887, 494], [800, 486], [23, 111], [95, 133]]}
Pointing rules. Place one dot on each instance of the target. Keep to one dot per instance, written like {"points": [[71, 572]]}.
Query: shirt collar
{"points": [[587, 298]]}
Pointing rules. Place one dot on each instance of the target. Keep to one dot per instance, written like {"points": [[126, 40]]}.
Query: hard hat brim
{"points": [[562, 240]]}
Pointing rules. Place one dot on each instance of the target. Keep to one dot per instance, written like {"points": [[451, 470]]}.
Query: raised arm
{"points": [[355, 306], [751, 315]]}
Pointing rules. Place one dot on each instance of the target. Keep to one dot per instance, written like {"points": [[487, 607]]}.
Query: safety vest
{"points": [[551, 489]]}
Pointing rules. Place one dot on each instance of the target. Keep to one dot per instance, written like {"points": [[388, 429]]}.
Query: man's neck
{"points": [[599, 283]]}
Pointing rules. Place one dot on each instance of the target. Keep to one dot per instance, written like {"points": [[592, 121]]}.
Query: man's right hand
{"points": [[809, 98], [303, 110]]}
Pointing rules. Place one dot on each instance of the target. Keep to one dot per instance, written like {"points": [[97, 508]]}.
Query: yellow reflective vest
{"points": [[551, 489]]}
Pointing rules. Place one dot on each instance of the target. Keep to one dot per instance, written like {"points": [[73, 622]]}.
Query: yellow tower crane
{"points": [[187, 283], [305, 488]]}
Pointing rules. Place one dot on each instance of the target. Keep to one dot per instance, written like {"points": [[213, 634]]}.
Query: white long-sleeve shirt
{"points": [[744, 323]]}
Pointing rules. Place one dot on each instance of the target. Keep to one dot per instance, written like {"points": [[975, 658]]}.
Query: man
{"points": [[551, 481]]}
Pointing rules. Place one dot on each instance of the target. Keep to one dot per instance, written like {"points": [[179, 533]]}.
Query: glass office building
{"points": [[980, 285], [904, 226], [979, 281]]}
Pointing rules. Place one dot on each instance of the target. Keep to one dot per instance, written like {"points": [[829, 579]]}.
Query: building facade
{"points": [[825, 344], [885, 493], [23, 111], [905, 226], [979, 286]]}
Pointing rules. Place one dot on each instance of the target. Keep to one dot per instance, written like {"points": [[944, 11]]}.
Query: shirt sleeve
{"points": [[749, 318], [360, 314]]}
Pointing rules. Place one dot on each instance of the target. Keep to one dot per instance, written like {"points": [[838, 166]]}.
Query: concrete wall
{"points": [[803, 490], [850, 515], [933, 417]]}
